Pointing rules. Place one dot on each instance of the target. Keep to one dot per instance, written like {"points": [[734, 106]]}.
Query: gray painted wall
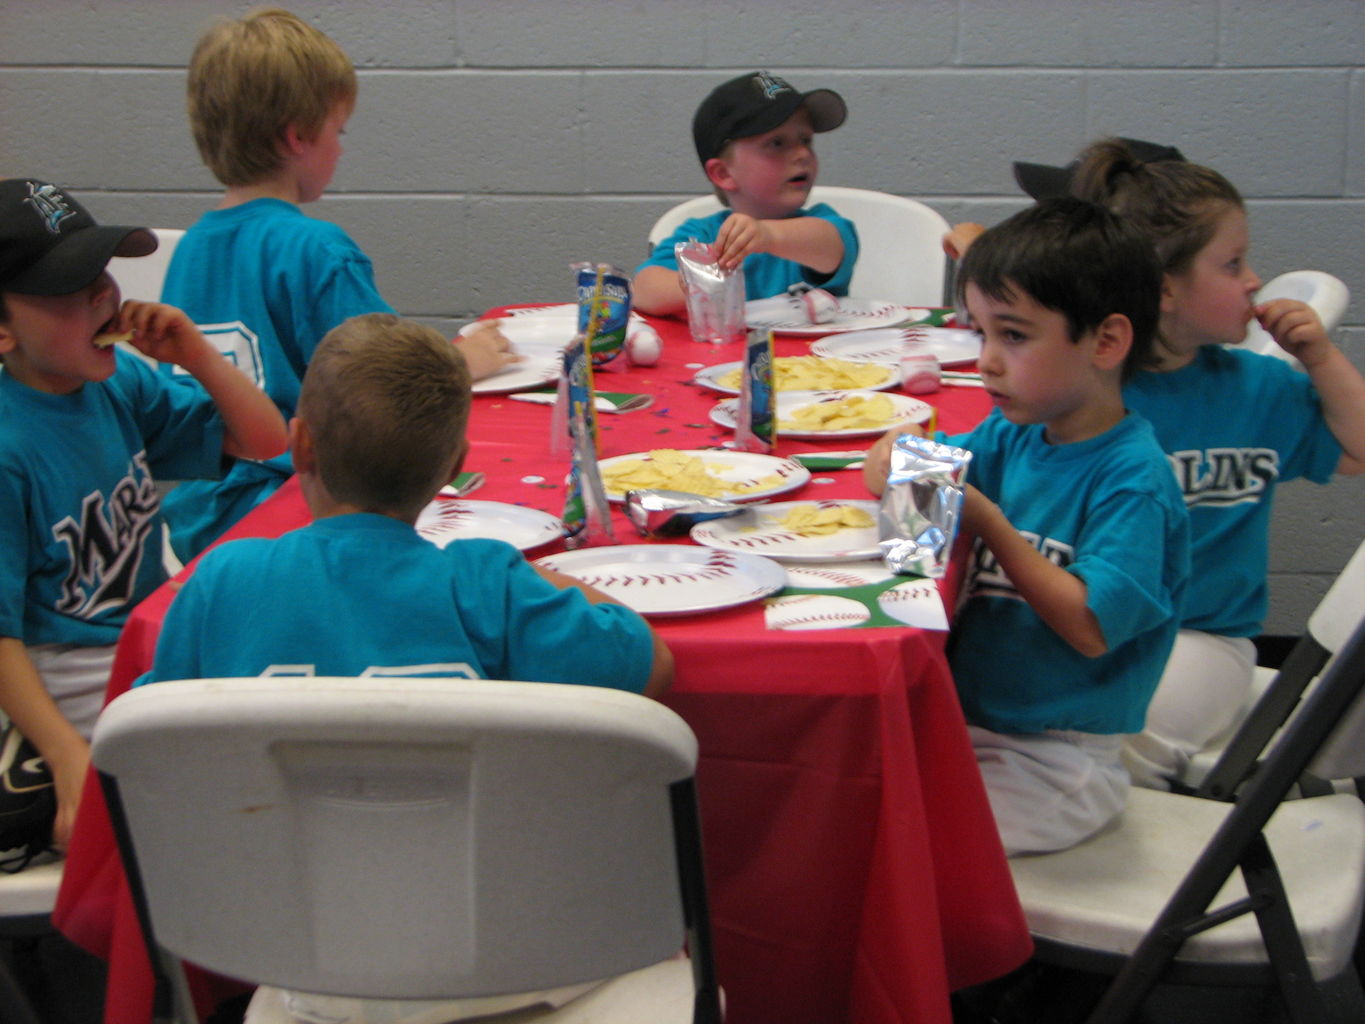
{"points": [[496, 141]]}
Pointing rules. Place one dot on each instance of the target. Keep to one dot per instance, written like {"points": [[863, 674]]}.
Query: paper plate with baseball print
{"points": [[951, 346], [723, 377], [793, 408], [786, 314], [766, 530], [671, 579], [729, 475], [446, 519]]}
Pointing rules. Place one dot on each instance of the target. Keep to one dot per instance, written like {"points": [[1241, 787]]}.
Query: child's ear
{"points": [[6, 339], [301, 446], [1113, 342], [718, 174], [460, 454], [293, 140]]}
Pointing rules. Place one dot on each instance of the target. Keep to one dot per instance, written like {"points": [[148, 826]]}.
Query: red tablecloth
{"points": [[854, 869]]}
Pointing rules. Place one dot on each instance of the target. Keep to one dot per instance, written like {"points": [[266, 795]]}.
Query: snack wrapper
{"points": [[587, 516], [756, 427], [715, 297], [662, 513], [819, 305], [921, 506], [603, 309]]}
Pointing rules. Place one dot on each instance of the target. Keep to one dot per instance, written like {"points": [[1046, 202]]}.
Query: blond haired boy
{"points": [[755, 138], [380, 428], [269, 98]]}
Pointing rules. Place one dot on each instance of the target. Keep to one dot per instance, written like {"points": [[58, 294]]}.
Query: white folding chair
{"points": [[416, 839], [1328, 296], [1218, 769], [26, 901], [900, 257], [141, 277], [1156, 897]]}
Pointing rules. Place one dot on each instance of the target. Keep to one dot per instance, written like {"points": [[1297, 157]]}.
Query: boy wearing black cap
{"points": [[85, 429], [754, 137]]}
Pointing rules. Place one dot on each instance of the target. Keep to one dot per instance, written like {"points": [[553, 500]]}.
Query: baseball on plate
{"points": [[643, 346], [815, 611]]}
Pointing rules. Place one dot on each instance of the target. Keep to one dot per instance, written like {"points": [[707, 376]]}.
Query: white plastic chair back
{"points": [[900, 240], [401, 838], [141, 277], [1336, 617], [1328, 296]]}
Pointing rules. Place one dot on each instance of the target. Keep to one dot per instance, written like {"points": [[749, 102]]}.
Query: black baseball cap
{"points": [[1044, 182], [756, 103], [49, 243]]}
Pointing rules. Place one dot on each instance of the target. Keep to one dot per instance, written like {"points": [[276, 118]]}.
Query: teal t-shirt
{"points": [[365, 594], [1234, 424], [766, 275], [1106, 509]]}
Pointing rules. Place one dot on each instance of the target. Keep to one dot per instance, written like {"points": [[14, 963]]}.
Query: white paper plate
{"points": [[736, 468], [904, 410], [446, 519], [953, 346], [534, 371], [787, 314], [709, 376], [759, 531], [537, 335], [671, 579]]}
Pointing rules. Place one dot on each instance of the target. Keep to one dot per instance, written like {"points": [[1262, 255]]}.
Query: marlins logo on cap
{"points": [[49, 243]]}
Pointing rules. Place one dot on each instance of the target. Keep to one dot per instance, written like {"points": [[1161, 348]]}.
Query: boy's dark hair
{"points": [[1078, 259], [387, 402]]}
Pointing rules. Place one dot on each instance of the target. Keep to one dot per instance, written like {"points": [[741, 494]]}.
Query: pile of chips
{"points": [[670, 469], [822, 520], [818, 373], [853, 412]]}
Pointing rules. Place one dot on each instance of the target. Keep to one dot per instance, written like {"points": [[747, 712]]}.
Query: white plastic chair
{"points": [[415, 839], [1218, 769], [900, 257], [26, 901], [1328, 296], [141, 277], [1157, 897]]}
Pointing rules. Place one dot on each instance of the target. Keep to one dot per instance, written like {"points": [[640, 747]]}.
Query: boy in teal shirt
{"points": [[1072, 599], [754, 138]]}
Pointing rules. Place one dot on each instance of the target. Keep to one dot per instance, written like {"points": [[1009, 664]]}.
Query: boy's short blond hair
{"points": [[387, 403], [252, 78]]}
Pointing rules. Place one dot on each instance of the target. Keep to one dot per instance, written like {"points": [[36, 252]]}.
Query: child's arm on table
{"points": [[877, 461], [810, 241], [1296, 328], [25, 699], [661, 671], [1059, 597], [658, 291], [253, 426], [486, 349]]}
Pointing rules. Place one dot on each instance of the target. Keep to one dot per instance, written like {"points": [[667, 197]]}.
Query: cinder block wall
{"points": [[497, 141]]}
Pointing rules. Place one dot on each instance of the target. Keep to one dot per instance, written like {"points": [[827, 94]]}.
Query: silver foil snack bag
{"points": [[715, 297], [921, 506], [661, 513]]}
